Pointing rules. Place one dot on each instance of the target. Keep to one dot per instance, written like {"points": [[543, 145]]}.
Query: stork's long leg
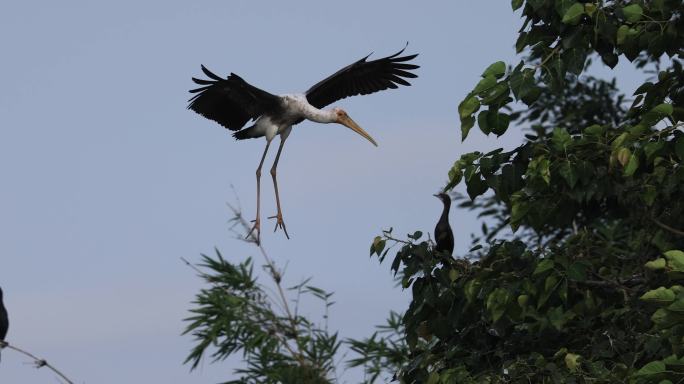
{"points": [[279, 216], [258, 177]]}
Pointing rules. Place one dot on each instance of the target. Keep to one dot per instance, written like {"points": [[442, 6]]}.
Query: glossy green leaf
{"points": [[577, 271], [632, 165], [633, 12], [660, 295], [468, 106], [652, 368], [656, 264], [497, 70], [573, 14], [466, 124], [568, 172], [486, 83], [572, 361], [676, 306], [543, 266], [560, 138], [675, 260]]}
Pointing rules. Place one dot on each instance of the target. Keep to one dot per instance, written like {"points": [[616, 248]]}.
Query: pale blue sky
{"points": [[107, 178]]}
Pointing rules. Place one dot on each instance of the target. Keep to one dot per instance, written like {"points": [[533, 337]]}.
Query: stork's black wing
{"points": [[231, 102], [362, 77]]}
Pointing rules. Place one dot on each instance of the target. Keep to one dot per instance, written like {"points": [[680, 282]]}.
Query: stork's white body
{"points": [[296, 107]]}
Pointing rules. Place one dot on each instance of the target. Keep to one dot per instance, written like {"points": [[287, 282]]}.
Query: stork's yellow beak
{"points": [[351, 124]]}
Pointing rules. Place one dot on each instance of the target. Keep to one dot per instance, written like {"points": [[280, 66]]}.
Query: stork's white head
{"points": [[341, 117]]}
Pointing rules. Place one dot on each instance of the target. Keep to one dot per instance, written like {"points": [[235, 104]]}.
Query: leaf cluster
{"points": [[238, 314], [558, 289]]}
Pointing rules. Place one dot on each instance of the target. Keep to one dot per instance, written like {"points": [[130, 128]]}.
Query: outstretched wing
{"points": [[231, 102], [361, 78]]}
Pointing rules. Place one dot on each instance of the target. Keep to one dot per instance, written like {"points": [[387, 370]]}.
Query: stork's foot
{"points": [[280, 223], [256, 227]]}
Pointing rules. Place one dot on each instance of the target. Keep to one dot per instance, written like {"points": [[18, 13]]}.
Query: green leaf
{"points": [[560, 138], [498, 122], [496, 303], [633, 12], [518, 211], [472, 289], [649, 195], [656, 114], [572, 361], [567, 171], [543, 266], [652, 368], [652, 148], [677, 306], [482, 122], [619, 140], [468, 106], [497, 70], [660, 295], [515, 4], [577, 271], [675, 260], [656, 264], [595, 130], [623, 156], [632, 165], [466, 124], [550, 285], [475, 186], [377, 246], [573, 14], [589, 8], [622, 33], [486, 83], [643, 88], [455, 176]]}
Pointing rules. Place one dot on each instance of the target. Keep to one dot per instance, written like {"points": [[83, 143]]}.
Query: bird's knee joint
{"points": [[273, 172], [258, 173]]}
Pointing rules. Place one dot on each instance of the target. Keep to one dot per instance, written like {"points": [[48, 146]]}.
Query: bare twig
{"points": [[275, 274], [37, 362], [667, 227]]}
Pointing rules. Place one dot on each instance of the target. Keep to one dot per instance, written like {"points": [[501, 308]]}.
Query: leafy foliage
{"points": [[567, 283], [236, 314]]}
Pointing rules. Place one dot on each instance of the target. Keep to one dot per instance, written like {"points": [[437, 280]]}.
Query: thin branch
{"points": [[275, 274], [39, 363], [667, 227]]}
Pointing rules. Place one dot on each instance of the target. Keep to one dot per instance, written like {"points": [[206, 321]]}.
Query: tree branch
{"points": [[39, 363], [667, 227]]}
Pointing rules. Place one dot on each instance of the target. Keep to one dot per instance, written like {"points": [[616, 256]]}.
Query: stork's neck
{"points": [[319, 115]]}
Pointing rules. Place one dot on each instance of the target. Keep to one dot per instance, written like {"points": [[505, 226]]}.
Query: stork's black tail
{"points": [[247, 133]]}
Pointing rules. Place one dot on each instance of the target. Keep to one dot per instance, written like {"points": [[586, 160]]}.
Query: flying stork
{"points": [[232, 102]]}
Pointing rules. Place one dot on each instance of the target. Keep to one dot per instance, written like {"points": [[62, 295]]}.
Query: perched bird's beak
{"points": [[351, 124]]}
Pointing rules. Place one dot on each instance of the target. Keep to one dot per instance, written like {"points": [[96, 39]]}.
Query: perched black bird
{"points": [[444, 237], [4, 321]]}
